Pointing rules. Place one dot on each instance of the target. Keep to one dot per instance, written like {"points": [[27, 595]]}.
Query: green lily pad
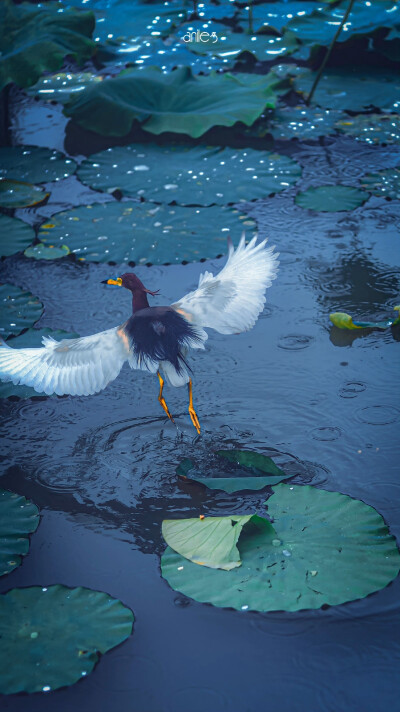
{"points": [[276, 14], [211, 541], [327, 548], [189, 176], [331, 198], [15, 194], [59, 86], [319, 27], [231, 45], [354, 89], [19, 310], [37, 39], [53, 636], [384, 184], [32, 338], [34, 164], [117, 19], [47, 252], [18, 519], [302, 122], [233, 471], [15, 235], [178, 102], [146, 232], [210, 11], [372, 128]]}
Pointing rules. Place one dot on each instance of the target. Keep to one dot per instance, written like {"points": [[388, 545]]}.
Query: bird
{"points": [[156, 339]]}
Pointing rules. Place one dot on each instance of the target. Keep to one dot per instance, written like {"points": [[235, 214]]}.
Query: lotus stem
{"points": [[328, 54]]}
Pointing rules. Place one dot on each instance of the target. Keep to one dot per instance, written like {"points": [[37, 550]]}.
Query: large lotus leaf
{"points": [[19, 310], [146, 232], [34, 164], [211, 541], [328, 549], [277, 14], [385, 184], [372, 128], [36, 39], [15, 235], [189, 176], [32, 338], [331, 198], [233, 471], [178, 102], [355, 89], [302, 122], [365, 18], [18, 519], [231, 45], [52, 636], [16, 194]]}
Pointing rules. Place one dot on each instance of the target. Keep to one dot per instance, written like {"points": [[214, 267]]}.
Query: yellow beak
{"points": [[117, 282]]}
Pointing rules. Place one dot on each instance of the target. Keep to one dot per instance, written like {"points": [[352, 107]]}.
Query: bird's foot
{"points": [[194, 418], [164, 405]]}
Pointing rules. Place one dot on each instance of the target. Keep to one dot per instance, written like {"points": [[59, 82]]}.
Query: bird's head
{"points": [[131, 282]]}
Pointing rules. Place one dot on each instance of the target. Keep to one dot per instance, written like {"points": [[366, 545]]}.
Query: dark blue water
{"points": [[102, 468]]}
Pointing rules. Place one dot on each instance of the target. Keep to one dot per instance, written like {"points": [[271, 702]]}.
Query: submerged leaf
{"points": [[331, 198], [372, 128], [385, 184], [15, 235], [18, 518], [211, 541], [345, 321], [327, 549], [52, 636], [19, 310]]}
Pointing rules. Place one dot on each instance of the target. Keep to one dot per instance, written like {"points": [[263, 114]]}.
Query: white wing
{"points": [[231, 301], [71, 366]]}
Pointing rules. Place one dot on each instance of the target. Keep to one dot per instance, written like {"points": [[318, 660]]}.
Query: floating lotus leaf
{"points": [[302, 122], [327, 548], [365, 18], [59, 86], [46, 252], [19, 310], [15, 235], [189, 176], [53, 636], [385, 184], [372, 128], [32, 338], [355, 90], [233, 471], [146, 232], [277, 14], [34, 164], [14, 194], [345, 321], [178, 102], [231, 45], [211, 11], [36, 39], [18, 518], [331, 198], [211, 541]]}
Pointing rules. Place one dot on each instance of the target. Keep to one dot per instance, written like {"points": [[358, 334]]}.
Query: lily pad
{"points": [[212, 11], [178, 102], [211, 541], [354, 89], [47, 252], [384, 184], [302, 122], [19, 310], [53, 636], [18, 519], [331, 198], [372, 128], [117, 19], [15, 235], [233, 471], [231, 45], [15, 194], [277, 14], [32, 338], [34, 164], [189, 176], [37, 39], [146, 232], [327, 548], [59, 86]]}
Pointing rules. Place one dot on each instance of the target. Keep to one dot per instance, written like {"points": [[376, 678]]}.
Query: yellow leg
{"points": [[192, 411], [161, 399]]}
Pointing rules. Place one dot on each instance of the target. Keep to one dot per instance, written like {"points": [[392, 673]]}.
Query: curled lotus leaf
{"points": [[323, 548], [18, 519], [53, 636]]}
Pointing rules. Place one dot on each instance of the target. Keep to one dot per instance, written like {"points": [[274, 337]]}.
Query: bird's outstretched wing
{"points": [[231, 301], [72, 366]]}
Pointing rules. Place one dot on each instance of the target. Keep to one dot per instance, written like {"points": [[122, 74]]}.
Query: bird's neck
{"points": [[139, 300]]}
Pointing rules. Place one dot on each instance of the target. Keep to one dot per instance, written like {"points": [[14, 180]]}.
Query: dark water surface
{"points": [[102, 468]]}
